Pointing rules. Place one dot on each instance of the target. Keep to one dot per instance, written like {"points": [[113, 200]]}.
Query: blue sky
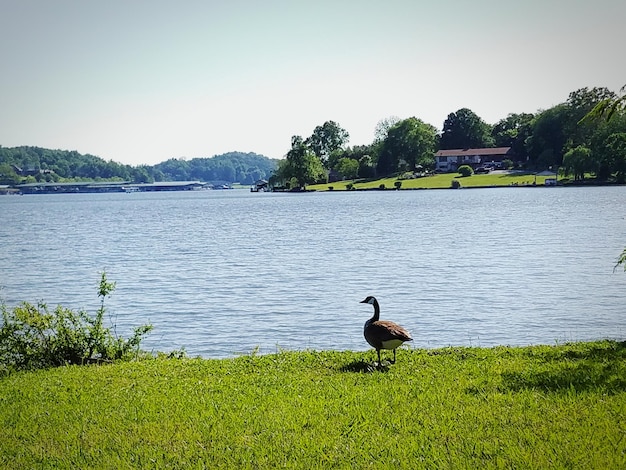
{"points": [[139, 82]]}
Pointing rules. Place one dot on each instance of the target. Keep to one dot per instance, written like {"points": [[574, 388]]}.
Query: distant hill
{"points": [[31, 164], [245, 168]]}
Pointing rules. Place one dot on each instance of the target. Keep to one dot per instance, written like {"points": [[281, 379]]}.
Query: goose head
{"points": [[369, 300]]}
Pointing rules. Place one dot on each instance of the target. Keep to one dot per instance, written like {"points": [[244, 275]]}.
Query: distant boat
{"points": [[259, 187], [130, 189]]}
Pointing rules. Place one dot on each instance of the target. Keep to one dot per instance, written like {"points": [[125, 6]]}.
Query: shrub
{"points": [[455, 184], [349, 186], [33, 337], [465, 170], [398, 184], [382, 186]]}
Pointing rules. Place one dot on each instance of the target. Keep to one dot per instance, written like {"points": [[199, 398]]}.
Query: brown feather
{"points": [[376, 333]]}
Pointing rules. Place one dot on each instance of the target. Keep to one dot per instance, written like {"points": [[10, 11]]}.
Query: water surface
{"points": [[225, 272]]}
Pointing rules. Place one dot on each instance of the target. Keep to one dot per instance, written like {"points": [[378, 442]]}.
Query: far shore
{"points": [[498, 178]]}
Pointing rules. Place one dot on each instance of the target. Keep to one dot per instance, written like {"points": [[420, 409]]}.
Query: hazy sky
{"points": [[143, 81]]}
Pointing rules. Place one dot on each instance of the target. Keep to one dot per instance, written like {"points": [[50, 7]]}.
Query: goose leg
{"points": [[379, 362], [394, 356]]}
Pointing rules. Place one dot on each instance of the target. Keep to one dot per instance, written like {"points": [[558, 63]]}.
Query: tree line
{"points": [[568, 136], [34, 164]]}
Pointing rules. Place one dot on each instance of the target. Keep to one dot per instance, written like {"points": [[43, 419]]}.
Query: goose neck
{"points": [[376, 315]]}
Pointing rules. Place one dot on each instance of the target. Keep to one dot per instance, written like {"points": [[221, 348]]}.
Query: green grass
{"points": [[438, 181], [533, 407]]}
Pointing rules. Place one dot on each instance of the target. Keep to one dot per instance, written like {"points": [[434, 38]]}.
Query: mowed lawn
{"points": [[533, 407], [440, 181]]}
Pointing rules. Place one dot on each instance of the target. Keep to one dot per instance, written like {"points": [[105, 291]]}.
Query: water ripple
{"points": [[225, 273]]}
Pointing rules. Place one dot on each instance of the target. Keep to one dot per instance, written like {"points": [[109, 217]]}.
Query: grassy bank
{"points": [[440, 181], [533, 407]]}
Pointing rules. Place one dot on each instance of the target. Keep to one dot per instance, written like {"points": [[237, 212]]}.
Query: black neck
{"points": [[376, 311]]}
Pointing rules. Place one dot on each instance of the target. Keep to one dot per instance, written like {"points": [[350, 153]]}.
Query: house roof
{"points": [[474, 152]]}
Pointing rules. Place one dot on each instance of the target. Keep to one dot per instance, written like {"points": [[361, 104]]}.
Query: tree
{"points": [[546, 143], [608, 106], [356, 153], [579, 104], [616, 145], [464, 129], [603, 155], [326, 139], [348, 168], [367, 169], [409, 143], [577, 161], [8, 175], [513, 131], [383, 126], [301, 165]]}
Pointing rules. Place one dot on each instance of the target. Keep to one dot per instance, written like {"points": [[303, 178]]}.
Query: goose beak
{"points": [[364, 301]]}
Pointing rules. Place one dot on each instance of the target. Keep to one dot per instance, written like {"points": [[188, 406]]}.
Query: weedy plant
{"points": [[35, 337]]}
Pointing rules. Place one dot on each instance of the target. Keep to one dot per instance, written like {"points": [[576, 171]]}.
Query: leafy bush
{"points": [[33, 337], [455, 184], [465, 170], [398, 184], [382, 186]]}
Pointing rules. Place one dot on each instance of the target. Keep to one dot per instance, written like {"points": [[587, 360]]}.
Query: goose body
{"points": [[383, 334]]}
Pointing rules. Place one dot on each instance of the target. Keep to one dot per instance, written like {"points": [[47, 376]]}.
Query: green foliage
{"points": [[301, 167], [464, 129], [508, 164], [367, 169], [465, 170], [513, 131], [577, 162], [455, 184], [608, 107], [397, 184], [621, 261], [326, 139], [381, 186], [409, 143], [8, 175], [548, 136], [33, 337], [616, 147], [245, 168], [348, 168], [534, 407], [567, 126], [38, 164]]}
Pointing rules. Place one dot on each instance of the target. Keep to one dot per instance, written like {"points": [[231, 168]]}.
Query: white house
{"points": [[450, 160]]}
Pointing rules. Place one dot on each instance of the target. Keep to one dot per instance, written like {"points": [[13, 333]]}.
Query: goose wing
{"points": [[390, 330], [379, 333]]}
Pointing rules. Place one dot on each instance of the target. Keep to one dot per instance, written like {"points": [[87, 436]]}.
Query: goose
{"points": [[382, 334]]}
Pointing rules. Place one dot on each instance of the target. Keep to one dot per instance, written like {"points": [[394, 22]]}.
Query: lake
{"points": [[222, 273]]}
